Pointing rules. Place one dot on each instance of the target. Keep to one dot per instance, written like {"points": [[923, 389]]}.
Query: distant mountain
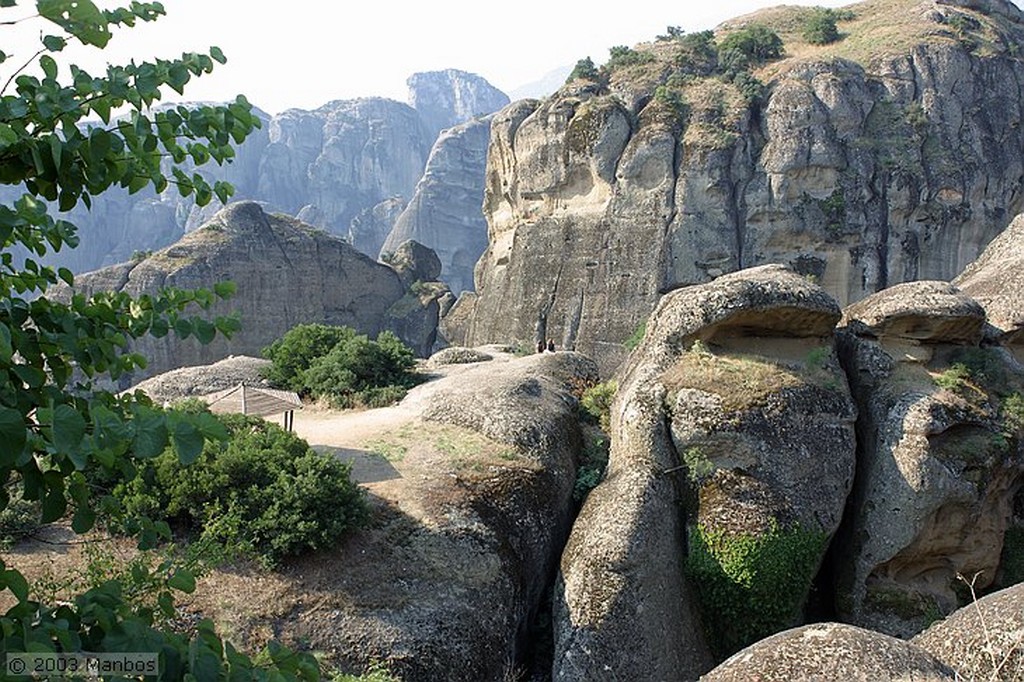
{"points": [[544, 86]]}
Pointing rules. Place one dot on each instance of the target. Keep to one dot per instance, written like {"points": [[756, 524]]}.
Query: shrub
{"points": [[584, 69], [294, 352], [592, 467], [317, 360], [636, 337], [697, 54], [621, 56], [819, 28], [756, 42], [751, 586], [264, 490], [597, 403], [18, 519]]}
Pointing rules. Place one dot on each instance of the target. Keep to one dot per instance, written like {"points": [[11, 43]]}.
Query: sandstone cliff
{"points": [[445, 211], [893, 154], [286, 273]]}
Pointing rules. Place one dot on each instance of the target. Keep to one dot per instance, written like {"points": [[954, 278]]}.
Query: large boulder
{"points": [[996, 281], [832, 651], [982, 640], [200, 380], [939, 455], [860, 168], [733, 407], [286, 273]]}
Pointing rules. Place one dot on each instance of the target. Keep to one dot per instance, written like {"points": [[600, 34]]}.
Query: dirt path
{"points": [[349, 434]]}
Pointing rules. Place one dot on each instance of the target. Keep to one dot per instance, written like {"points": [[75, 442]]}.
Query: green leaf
{"points": [[183, 581], [225, 289], [54, 504], [187, 440], [13, 435], [80, 18], [54, 43], [83, 520], [68, 429], [32, 376], [218, 55], [6, 349], [49, 66], [150, 434], [16, 583], [205, 331]]}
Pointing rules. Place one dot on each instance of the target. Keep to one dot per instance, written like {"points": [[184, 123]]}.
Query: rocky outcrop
{"points": [[445, 211], [200, 380], [995, 281], [286, 273], [832, 651], [982, 641], [861, 168], [940, 455], [725, 369], [446, 581], [450, 97], [342, 160]]}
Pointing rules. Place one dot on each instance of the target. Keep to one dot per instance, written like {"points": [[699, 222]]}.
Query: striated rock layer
{"points": [[891, 155]]}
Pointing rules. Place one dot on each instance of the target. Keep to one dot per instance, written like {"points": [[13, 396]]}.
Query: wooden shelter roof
{"points": [[254, 400]]}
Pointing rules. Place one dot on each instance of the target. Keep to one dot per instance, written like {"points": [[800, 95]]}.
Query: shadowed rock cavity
{"points": [[733, 406], [939, 455]]}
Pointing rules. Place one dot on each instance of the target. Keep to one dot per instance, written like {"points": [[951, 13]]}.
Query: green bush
{"points": [[19, 519], [636, 337], [294, 352], [597, 403], [346, 368], [621, 56], [264, 490], [756, 42], [751, 586], [819, 28], [592, 467], [584, 69]]}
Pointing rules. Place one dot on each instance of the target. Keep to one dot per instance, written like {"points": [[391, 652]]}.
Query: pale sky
{"points": [[304, 53]]}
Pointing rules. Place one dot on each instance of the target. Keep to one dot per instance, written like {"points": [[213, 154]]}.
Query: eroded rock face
{"points": [[779, 460], [831, 651], [445, 211], [862, 171], [192, 382], [286, 273], [939, 455], [996, 281], [982, 641], [487, 525], [450, 97]]}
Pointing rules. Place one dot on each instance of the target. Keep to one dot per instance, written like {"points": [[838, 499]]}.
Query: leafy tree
{"points": [[584, 69], [819, 28], [621, 56], [756, 42], [64, 140], [293, 353]]}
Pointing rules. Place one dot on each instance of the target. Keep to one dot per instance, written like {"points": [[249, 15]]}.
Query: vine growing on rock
{"points": [[67, 136]]}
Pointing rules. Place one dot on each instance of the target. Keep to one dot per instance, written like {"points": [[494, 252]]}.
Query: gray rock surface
{"points": [[982, 641], [450, 97], [861, 167], [831, 651], [415, 262], [486, 496], [623, 608], [457, 355], [445, 212], [939, 457], [996, 280], [286, 273], [192, 382]]}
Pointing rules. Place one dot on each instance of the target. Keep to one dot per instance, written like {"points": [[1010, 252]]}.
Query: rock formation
{"points": [[286, 273], [890, 155], [983, 641], [994, 280], [199, 380], [832, 651], [450, 97], [734, 398], [940, 457], [342, 160], [445, 211]]}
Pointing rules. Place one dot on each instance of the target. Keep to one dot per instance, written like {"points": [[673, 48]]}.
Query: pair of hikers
{"points": [[550, 346]]}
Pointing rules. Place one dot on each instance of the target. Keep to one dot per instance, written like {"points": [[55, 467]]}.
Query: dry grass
{"points": [[461, 447], [741, 381]]}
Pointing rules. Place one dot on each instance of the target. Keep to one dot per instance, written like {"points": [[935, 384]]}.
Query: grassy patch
{"points": [[463, 447], [741, 381]]}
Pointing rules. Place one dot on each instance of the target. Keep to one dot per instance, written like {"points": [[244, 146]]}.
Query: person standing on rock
{"points": [[540, 346], [551, 345]]}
